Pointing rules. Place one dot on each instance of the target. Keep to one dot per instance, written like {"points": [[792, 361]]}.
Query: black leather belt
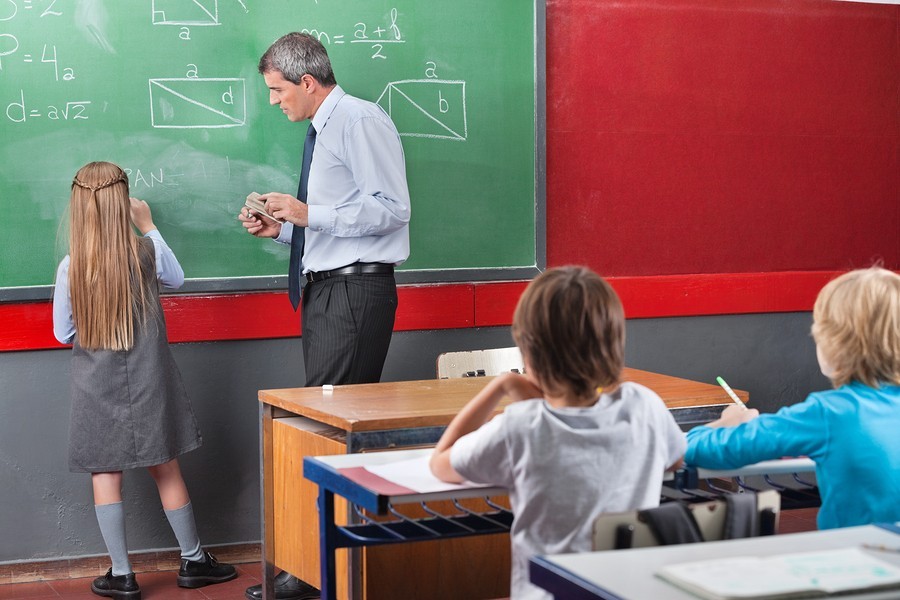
{"points": [[358, 268]]}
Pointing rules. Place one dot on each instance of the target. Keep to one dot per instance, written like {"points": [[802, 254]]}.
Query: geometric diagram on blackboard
{"points": [[185, 12], [430, 108], [192, 103]]}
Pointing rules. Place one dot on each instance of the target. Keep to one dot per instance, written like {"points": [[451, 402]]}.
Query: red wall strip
{"points": [[723, 293], [264, 315]]}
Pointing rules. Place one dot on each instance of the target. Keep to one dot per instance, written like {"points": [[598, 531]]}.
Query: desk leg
{"points": [[326, 544], [267, 500]]}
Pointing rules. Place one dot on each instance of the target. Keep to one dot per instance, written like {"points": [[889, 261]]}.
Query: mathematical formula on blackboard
{"points": [[429, 107]]}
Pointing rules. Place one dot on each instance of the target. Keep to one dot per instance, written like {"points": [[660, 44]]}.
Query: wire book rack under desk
{"points": [[375, 516], [793, 478], [403, 528]]}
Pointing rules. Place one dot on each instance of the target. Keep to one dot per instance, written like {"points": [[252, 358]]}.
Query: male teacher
{"points": [[348, 226]]}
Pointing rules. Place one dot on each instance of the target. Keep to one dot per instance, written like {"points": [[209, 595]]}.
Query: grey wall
{"points": [[47, 512]]}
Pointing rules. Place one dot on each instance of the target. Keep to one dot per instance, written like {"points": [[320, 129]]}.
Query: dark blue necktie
{"points": [[299, 234]]}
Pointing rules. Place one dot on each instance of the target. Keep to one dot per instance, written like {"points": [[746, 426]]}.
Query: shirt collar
{"points": [[327, 107]]}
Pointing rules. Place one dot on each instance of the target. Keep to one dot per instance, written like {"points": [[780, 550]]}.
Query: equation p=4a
{"points": [[19, 112]]}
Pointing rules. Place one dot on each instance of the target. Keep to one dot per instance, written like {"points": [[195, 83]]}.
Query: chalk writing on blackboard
{"points": [[12, 9], [150, 179], [430, 108], [376, 35], [9, 44], [192, 103], [181, 13], [22, 111]]}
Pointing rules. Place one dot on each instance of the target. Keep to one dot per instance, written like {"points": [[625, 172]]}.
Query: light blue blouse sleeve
{"points": [[168, 269], [63, 323], [798, 430]]}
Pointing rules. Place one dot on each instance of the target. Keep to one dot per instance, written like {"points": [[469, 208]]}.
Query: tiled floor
{"points": [[161, 585], [154, 586], [794, 521]]}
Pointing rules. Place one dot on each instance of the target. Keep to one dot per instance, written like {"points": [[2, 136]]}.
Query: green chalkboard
{"points": [[169, 90]]}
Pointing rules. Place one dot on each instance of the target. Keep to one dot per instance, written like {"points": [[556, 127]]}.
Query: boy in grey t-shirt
{"points": [[576, 442]]}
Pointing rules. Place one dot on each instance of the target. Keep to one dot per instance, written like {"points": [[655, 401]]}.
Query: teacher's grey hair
{"points": [[295, 55]]}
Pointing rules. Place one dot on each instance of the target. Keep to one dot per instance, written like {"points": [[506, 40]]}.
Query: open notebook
{"points": [[804, 575]]}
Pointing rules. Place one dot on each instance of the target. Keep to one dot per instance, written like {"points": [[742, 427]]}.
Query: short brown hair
{"points": [[570, 326], [857, 326]]}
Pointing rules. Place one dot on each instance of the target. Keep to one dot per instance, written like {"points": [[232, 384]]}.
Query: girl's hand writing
{"points": [[140, 216]]}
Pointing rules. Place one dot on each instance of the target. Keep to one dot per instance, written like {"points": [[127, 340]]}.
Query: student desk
{"points": [[629, 574], [346, 475], [300, 422]]}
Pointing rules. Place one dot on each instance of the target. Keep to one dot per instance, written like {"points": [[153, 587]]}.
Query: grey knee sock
{"points": [[182, 522], [111, 518]]}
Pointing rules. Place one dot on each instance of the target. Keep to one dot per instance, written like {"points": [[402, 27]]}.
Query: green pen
{"points": [[730, 391]]}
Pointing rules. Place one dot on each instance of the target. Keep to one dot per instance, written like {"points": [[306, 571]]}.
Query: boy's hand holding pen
{"points": [[730, 392], [735, 414]]}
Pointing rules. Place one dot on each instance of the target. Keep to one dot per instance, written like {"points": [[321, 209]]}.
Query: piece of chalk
{"points": [[327, 388]]}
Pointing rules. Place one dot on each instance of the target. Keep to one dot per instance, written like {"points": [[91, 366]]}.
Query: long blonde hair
{"points": [[105, 281]]}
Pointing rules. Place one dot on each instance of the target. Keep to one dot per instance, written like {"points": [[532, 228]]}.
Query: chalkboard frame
{"points": [[411, 276]]}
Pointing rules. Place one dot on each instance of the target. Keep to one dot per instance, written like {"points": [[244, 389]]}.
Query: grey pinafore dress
{"points": [[129, 408]]}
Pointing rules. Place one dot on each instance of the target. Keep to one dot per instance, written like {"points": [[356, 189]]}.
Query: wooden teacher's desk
{"points": [[300, 422]]}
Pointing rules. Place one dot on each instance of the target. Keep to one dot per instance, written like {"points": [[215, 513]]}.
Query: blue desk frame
{"points": [[367, 532]]}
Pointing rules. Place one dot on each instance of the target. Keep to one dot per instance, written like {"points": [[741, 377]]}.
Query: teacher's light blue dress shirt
{"points": [[358, 196]]}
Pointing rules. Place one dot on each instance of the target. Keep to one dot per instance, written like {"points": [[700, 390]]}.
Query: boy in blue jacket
{"points": [[851, 431]]}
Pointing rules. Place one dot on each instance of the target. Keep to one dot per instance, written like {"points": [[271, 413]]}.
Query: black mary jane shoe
{"points": [[198, 573], [120, 587]]}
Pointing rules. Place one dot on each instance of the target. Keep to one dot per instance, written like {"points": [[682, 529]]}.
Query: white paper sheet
{"points": [[415, 474]]}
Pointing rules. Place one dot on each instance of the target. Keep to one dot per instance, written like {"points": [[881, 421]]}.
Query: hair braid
{"points": [[99, 186]]}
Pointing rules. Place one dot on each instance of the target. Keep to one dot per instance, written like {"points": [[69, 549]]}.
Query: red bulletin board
{"points": [[722, 137]]}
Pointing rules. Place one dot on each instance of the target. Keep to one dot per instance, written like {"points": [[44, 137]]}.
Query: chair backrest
{"points": [[477, 363], [626, 530]]}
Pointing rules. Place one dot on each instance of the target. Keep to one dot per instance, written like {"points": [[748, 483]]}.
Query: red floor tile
{"points": [[154, 586], [36, 590], [798, 521]]}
